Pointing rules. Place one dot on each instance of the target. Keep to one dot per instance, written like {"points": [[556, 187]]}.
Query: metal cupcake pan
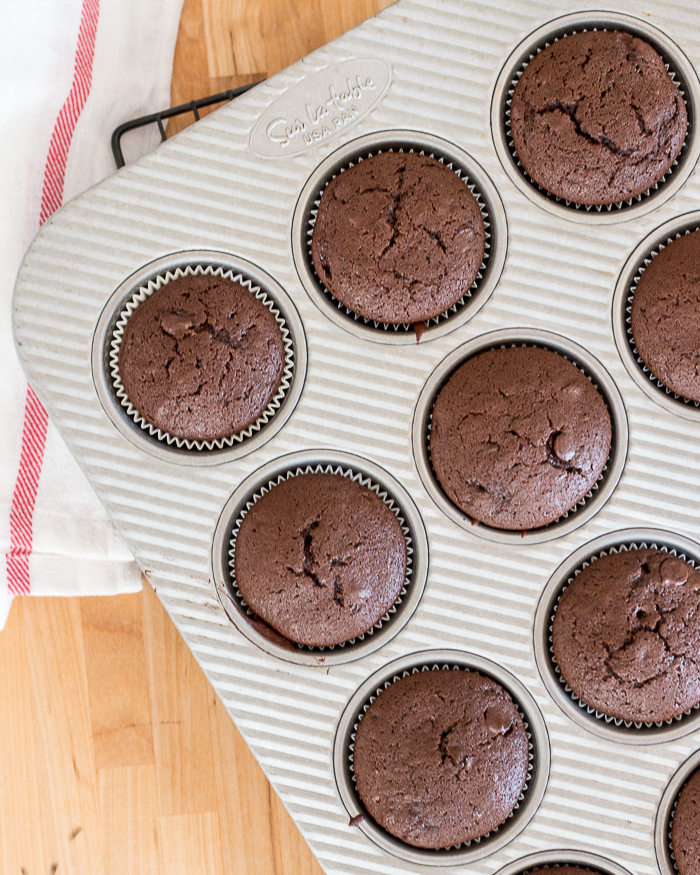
{"points": [[625, 288], [666, 811], [363, 394], [475, 178], [565, 857], [589, 718], [370, 475], [443, 660], [680, 69], [108, 336], [592, 369]]}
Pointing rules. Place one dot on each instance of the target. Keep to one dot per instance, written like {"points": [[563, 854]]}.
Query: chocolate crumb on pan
{"points": [[625, 633], [596, 119], [322, 556], [664, 322], [201, 358], [398, 238], [519, 436], [685, 828]]}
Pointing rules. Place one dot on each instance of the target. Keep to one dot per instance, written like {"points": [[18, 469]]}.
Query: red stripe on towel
{"points": [[35, 418]]}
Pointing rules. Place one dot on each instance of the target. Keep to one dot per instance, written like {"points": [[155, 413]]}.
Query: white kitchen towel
{"points": [[70, 72]]}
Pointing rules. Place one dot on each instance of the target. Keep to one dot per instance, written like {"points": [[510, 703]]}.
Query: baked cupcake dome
{"points": [[626, 633], [441, 758], [685, 833], [596, 119], [320, 558], [201, 358], [665, 317], [519, 435], [398, 238]]}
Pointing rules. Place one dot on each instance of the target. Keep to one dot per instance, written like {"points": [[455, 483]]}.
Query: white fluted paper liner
{"points": [[357, 477], [556, 866], [617, 721], [142, 294], [447, 667], [651, 255], [462, 173], [601, 477], [670, 827], [618, 205]]}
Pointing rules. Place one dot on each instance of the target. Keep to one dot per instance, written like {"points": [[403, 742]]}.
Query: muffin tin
{"points": [[234, 191]]}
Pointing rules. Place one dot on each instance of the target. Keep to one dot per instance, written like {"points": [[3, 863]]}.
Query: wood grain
{"points": [[117, 756]]}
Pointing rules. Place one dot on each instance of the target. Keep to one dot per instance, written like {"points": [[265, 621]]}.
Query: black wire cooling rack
{"points": [[157, 118]]}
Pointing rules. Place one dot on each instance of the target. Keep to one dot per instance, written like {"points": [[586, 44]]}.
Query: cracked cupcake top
{"points": [[320, 558], [626, 636], [441, 758], [596, 119], [399, 238], [201, 358], [666, 316], [518, 436], [685, 835]]}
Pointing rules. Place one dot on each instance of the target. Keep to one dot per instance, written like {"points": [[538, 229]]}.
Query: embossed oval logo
{"points": [[320, 107]]}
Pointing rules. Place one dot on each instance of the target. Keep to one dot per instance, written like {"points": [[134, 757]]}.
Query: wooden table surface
{"points": [[117, 756]]}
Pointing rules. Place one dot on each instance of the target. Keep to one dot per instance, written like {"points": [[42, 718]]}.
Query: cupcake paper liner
{"points": [[582, 501], [559, 865], [619, 205], [617, 721], [462, 173], [644, 264], [446, 667], [670, 827], [363, 480], [142, 294]]}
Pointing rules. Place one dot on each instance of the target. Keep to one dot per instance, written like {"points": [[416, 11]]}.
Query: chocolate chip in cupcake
{"points": [[596, 118], [666, 316], [626, 636], [201, 358], [320, 558], [519, 435], [441, 758], [685, 834], [398, 238]]}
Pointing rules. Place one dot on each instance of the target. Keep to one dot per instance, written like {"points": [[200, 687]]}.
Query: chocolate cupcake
{"points": [[596, 118], [665, 317], [560, 870], [441, 758], [519, 435], [685, 833], [398, 238], [320, 558], [201, 358], [626, 634]]}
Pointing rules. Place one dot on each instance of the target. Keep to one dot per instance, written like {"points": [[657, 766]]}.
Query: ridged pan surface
{"points": [[231, 185]]}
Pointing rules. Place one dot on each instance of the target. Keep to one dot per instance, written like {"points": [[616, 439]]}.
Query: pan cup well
{"points": [[623, 297], [663, 826], [260, 482], [680, 70], [552, 860], [140, 286], [590, 367], [442, 660], [478, 183], [594, 721]]}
